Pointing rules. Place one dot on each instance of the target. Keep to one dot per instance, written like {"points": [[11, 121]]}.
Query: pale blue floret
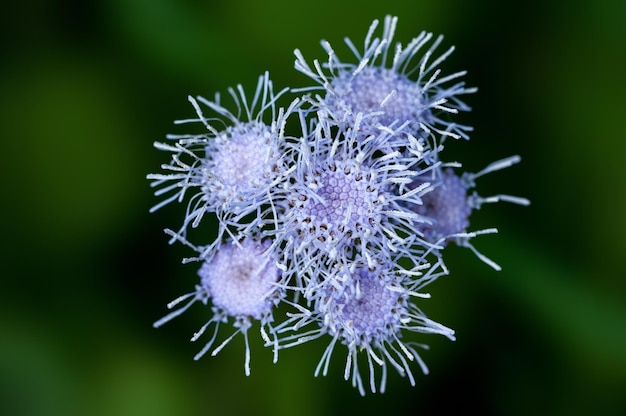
{"points": [[367, 310], [240, 284], [234, 168], [346, 196], [449, 206], [381, 82]]}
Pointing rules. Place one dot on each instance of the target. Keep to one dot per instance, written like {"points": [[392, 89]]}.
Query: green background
{"points": [[86, 87]]}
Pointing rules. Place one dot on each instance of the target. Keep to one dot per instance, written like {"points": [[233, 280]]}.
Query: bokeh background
{"points": [[85, 89]]}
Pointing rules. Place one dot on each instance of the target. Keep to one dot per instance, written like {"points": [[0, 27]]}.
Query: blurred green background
{"points": [[86, 87]]}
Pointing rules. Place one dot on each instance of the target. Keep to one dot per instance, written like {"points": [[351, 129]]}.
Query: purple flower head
{"points": [[381, 83], [234, 168], [240, 281], [449, 205], [364, 309], [241, 163], [345, 195], [367, 310]]}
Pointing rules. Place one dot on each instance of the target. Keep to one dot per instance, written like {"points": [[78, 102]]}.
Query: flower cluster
{"points": [[337, 206]]}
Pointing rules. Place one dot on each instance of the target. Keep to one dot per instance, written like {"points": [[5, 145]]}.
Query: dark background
{"points": [[86, 87]]}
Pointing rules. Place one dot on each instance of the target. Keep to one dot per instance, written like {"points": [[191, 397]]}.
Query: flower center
{"points": [[240, 162], [379, 89], [447, 205], [239, 280], [369, 314], [345, 202]]}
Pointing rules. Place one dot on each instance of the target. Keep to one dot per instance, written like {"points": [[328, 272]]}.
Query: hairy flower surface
{"points": [[378, 90], [366, 310], [240, 282], [241, 164], [373, 85], [240, 278], [234, 168], [449, 205], [340, 217], [345, 196]]}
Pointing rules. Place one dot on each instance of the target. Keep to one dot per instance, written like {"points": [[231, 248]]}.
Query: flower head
{"points": [[346, 196], [373, 85], [240, 164], [232, 169], [449, 205], [240, 281], [367, 310], [240, 278]]}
